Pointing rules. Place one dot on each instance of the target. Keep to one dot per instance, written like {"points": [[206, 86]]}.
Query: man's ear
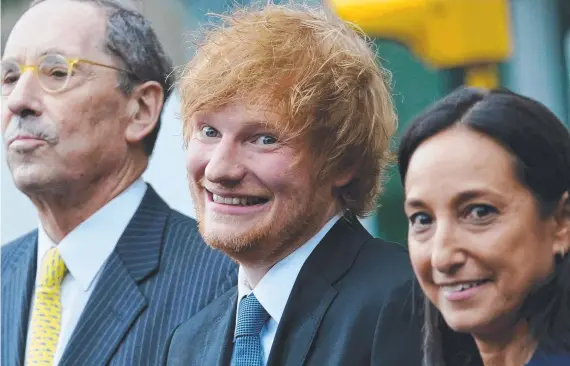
{"points": [[562, 231], [345, 177], [144, 108]]}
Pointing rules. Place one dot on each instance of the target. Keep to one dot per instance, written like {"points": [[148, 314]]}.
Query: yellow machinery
{"points": [[473, 34]]}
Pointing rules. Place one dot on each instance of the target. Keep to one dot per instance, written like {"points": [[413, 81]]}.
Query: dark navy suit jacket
{"points": [[160, 274], [351, 305]]}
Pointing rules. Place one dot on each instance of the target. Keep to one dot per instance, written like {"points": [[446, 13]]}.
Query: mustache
{"points": [[30, 126]]}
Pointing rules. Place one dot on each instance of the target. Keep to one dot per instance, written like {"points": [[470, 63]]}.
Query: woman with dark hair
{"points": [[487, 180]]}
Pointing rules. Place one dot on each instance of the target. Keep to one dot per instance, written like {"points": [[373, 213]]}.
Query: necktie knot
{"points": [[52, 270], [251, 317]]}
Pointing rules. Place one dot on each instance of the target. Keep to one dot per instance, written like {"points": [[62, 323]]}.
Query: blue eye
{"points": [[209, 131], [265, 140]]}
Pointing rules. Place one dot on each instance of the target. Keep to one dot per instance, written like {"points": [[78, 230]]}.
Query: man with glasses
{"points": [[111, 270]]}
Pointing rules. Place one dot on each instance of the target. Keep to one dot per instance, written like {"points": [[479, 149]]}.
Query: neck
{"points": [[256, 268], [514, 347], [254, 274], [62, 210]]}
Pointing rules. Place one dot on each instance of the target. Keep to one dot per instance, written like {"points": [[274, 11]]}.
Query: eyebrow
{"points": [[459, 199], [415, 203], [248, 123], [37, 55], [258, 123], [52, 50]]}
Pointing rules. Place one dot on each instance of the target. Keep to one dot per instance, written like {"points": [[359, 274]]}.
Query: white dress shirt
{"points": [[274, 288], [85, 251]]}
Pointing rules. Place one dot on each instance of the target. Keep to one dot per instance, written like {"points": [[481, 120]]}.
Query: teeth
{"points": [[452, 288], [236, 201], [462, 287]]}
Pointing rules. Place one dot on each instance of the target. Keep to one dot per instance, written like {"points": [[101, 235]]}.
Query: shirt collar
{"points": [[274, 289], [87, 247]]}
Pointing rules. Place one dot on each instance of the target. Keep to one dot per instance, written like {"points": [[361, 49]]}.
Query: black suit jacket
{"points": [[160, 274], [351, 304]]}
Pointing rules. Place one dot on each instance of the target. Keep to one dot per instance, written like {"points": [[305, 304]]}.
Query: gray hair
{"points": [[130, 37]]}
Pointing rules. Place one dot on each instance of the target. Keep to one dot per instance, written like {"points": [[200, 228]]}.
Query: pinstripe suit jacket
{"points": [[159, 275]]}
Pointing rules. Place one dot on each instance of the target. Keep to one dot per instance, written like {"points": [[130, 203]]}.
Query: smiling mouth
{"points": [[463, 286], [238, 201]]}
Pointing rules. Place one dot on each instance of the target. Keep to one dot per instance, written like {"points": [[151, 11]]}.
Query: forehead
{"points": [[72, 27], [458, 160]]}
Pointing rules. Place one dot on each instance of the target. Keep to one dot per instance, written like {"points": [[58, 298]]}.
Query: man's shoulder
{"points": [[212, 312], [181, 221], [179, 228], [187, 256], [350, 258], [154, 206], [365, 255], [13, 248], [209, 317], [380, 269], [385, 257], [182, 231]]}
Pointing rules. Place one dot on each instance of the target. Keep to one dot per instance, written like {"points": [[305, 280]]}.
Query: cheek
{"points": [[420, 257], [275, 181], [277, 175], [528, 262], [73, 120], [519, 246], [197, 157], [91, 108], [6, 116]]}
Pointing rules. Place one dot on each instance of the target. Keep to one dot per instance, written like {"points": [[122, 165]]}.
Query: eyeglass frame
{"points": [[71, 62]]}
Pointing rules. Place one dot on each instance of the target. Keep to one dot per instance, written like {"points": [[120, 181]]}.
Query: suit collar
{"points": [[116, 301], [282, 275], [96, 237], [140, 245], [218, 343], [26, 246], [314, 291], [338, 250], [17, 290]]}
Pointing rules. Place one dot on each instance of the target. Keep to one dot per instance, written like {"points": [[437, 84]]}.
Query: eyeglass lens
{"points": [[53, 73]]}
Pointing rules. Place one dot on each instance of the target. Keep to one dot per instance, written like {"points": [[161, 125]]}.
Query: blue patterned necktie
{"points": [[247, 344]]}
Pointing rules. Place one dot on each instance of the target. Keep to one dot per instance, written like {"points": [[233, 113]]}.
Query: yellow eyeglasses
{"points": [[52, 70]]}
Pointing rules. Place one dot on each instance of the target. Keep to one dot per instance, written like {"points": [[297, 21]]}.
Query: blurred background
{"points": [[430, 47]]}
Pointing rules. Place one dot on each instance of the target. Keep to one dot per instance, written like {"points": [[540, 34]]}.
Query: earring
{"points": [[559, 256]]}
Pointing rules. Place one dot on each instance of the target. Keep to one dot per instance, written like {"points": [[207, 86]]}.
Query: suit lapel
{"points": [[300, 321], [113, 306], [117, 301], [218, 345], [313, 292], [17, 290]]}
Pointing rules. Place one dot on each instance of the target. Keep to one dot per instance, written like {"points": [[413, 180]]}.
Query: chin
{"points": [[471, 321], [232, 240], [29, 181], [462, 326]]}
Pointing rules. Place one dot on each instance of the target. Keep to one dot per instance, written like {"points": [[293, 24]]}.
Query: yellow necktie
{"points": [[46, 314]]}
